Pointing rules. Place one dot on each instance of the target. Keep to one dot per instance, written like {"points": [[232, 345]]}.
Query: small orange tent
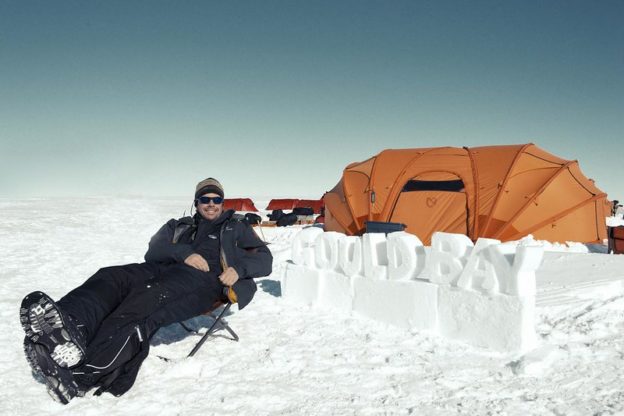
{"points": [[239, 204], [502, 192]]}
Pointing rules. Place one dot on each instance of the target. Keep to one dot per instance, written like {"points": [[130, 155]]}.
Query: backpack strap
{"points": [[183, 225]]}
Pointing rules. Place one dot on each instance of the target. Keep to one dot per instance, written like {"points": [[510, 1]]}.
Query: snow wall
{"points": [[482, 294]]}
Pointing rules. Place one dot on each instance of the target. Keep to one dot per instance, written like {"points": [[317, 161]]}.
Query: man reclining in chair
{"points": [[98, 334]]}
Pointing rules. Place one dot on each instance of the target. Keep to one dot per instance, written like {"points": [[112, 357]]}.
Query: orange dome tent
{"points": [[502, 192]]}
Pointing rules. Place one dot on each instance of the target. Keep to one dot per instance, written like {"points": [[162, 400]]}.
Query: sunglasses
{"points": [[206, 199]]}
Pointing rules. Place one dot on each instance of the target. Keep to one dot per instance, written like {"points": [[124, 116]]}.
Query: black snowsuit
{"points": [[121, 307]]}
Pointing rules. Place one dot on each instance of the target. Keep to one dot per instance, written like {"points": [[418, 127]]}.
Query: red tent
{"points": [[315, 204], [239, 204], [282, 204]]}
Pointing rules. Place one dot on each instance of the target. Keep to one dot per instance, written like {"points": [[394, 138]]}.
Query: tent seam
{"points": [[500, 191], [475, 184], [355, 221]]}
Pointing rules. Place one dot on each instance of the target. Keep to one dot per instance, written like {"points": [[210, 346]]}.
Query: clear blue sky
{"points": [[276, 97]]}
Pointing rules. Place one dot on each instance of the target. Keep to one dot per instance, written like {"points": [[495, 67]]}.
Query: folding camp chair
{"points": [[229, 298]]}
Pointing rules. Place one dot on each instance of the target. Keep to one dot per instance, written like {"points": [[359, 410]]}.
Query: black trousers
{"points": [[117, 300]]}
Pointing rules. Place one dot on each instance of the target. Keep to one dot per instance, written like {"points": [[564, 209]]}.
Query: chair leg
{"points": [[211, 330], [231, 331], [222, 323]]}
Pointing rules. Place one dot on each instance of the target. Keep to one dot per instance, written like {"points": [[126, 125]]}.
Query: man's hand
{"points": [[229, 276], [198, 262]]}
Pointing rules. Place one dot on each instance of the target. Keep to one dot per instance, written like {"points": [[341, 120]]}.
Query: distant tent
{"points": [[239, 204], [315, 204], [501, 192], [283, 204], [290, 204]]}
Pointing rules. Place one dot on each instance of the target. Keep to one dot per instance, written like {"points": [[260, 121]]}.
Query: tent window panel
{"points": [[447, 186]]}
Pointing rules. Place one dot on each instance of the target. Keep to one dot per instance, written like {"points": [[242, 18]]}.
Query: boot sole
{"points": [[59, 381], [43, 324]]}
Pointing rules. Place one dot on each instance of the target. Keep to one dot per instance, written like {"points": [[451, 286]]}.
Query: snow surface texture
{"points": [[295, 360], [483, 294]]}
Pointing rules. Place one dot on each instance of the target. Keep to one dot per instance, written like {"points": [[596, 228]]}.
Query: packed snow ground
{"points": [[294, 360]]}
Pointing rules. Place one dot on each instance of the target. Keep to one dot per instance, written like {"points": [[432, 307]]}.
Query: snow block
{"points": [[479, 273], [481, 294], [301, 284], [527, 260], [448, 256], [375, 253], [303, 246], [406, 256], [326, 250], [409, 304], [515, 267], [336, 291], [350, 255], [500, 322]]}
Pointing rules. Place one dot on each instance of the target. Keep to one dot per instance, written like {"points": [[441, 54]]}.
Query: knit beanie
{"points": [[209, 185]]}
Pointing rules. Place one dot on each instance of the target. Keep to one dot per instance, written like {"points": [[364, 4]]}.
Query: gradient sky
{"points": [[275, 98]]}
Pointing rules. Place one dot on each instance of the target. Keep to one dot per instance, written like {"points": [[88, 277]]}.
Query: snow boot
{"points": [[60, 382], [46, 324]]}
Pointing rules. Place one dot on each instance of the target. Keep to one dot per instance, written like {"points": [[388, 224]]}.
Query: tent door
{"points": [[427, 206]]}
